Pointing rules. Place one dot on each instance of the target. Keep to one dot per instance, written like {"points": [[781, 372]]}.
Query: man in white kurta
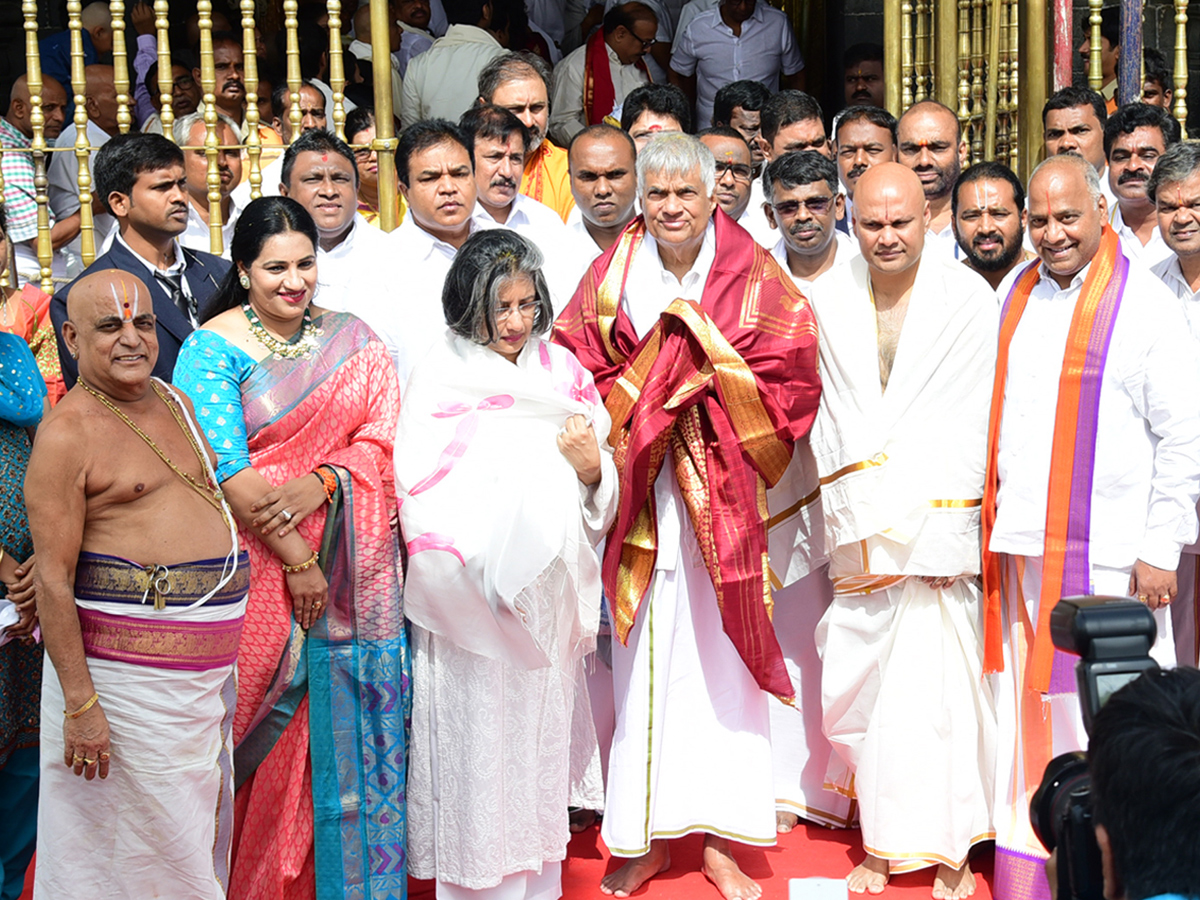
{"points": [[441, 82], [688, 706], [907, 345], [805, 204], [1144, 476], [1174, 188]]}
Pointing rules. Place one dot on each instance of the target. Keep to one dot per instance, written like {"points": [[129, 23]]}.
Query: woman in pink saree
{"points": [[300, 405]]}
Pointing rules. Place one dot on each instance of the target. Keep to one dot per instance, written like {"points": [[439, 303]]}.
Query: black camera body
{"points": [[1112, 636]]}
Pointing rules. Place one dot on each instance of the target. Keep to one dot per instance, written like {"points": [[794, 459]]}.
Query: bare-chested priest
{"points": [[908, 344], [141, 593]]}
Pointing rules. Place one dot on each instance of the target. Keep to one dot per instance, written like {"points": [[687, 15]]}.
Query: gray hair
{"points": [[676, 155], [485, 263], [1090, 176], [513, 66], [1180, 162], [182, 129]]}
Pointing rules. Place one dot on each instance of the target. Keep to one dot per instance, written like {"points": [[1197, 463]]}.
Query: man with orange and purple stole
{"points": [[1093, 475], [706, 355]]}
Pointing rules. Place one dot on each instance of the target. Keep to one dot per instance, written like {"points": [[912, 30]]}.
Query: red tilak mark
{"points": [[324, 157]]}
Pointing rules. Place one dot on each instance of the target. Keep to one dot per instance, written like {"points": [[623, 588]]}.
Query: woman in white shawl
{"points": [[504, 489]]}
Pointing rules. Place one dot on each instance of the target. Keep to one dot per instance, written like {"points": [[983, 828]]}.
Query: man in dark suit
{"points": [[139, 177]]}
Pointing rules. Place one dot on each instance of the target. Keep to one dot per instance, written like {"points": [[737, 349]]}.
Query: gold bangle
{"points": [[1, 554], [79, 712], [304, 566]]}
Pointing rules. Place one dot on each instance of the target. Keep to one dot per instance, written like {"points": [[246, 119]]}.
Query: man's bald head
{"points": [[890, 217], [1067, 213], [101, 97], [96, 19], [110, 330], [54, 104]]}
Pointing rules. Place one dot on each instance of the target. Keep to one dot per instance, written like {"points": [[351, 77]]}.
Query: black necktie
{"points": [[173, 285]]}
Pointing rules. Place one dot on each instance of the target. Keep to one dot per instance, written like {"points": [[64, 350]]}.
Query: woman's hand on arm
{"points": [[309, 590], [577, 442], [299, 498]]}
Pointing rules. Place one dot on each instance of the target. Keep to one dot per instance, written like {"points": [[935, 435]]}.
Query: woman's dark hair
{"points": [[487, 261], [260, 220]]}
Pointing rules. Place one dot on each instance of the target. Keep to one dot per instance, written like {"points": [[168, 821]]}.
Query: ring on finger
{"points": [[287, 516], [1143, 598], [88, 762]]}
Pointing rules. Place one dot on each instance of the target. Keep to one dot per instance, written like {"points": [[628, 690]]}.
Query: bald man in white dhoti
{"points": [[907, 342]]}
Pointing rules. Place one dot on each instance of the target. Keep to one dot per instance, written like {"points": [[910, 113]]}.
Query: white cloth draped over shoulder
{"points": [[503, 591]]}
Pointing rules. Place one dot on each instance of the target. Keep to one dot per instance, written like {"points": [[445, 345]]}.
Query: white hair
{"points": [[182, 129], [676, 155], [1090, 176]]}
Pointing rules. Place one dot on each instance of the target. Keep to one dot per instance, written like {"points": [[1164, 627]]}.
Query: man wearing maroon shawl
{"points": [[706, 355]]}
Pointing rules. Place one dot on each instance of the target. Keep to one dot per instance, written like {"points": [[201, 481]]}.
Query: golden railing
{"points": [[965, 54], [40, 151]]}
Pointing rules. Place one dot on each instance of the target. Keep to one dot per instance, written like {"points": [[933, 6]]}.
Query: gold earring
{"points": [[244, 281]]}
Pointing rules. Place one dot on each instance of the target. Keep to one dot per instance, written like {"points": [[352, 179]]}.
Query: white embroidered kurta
{"points": [[442, 82], [1150, 254], [566, 107], [904, 702], [503, 595], [847, 249]]}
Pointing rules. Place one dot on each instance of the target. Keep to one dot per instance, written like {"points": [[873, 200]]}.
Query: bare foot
{"points": [[869, 876], [722, 870], [785, 821], [581, 820], [953, 884], [637, 872]]}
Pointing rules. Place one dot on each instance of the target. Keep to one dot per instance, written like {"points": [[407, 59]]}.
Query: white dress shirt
{"points": [[566, 107], [1147, 461], [1171, 273], [272, 175], [846, 250], [708, 49], [541, 225], [196, 235], [1150, 254], [754, 219], [413, 42], [63, 189], [443, 82], [944, 242], [179, 267], [583, 247], [689, 12]]}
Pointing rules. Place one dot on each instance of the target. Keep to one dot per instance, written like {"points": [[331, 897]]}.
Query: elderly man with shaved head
{"points": [[706, 355], [907, 340], [1093, 474], [141, 595]]}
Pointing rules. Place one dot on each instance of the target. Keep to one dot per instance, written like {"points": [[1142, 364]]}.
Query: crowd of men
{"points": [[936, 399]]}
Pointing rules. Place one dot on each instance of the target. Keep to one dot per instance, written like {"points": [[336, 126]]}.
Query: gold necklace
{"points": [[213, 495], [300, 346]]}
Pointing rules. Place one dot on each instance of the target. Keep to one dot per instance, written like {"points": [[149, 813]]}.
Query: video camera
{"points": [[1112, 636]]}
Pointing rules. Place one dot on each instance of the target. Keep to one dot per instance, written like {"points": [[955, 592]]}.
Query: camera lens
{"points": [[1064, 774]]}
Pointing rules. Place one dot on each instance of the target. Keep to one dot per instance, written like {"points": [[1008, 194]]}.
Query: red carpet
{"points": [[806, 852]]}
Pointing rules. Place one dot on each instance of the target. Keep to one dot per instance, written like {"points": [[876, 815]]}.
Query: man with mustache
{"points": [[863, 136], [230, 89], [930, 142], [907, 339], [1096, 382], [1135, 136], [520, 83], [499, 142], [140, 179], [989, 222], [1174, 189], [190, 131], [804, 204], [863, 68]]}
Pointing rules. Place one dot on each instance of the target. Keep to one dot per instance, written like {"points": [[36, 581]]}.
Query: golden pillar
{"points": [[963, 67], [290, 25], [252, 138], [385, 141], [906, 54], [120, 66], [1034, 56], [208, 86], [1179, 101], [337, 72], [893, 70], [83, 148], [995, 20], [945, 68], [166, 82], [922, 86], [1095, 68], [37, 122]]}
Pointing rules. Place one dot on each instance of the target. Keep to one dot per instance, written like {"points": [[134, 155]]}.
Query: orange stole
{"points": [[725, 387], [1065, 569]]}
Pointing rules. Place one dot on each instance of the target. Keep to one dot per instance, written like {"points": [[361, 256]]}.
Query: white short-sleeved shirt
{"points": [[708, 49]]}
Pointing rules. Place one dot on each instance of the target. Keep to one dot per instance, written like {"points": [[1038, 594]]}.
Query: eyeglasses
{"points": [[528, 310], [362, 154], [741, 172], [183, 82], [646, 44], [818, 206]]}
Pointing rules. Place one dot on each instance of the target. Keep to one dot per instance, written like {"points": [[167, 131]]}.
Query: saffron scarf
{"points": [[599, 95], [724, 388], [1066, 569]]}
